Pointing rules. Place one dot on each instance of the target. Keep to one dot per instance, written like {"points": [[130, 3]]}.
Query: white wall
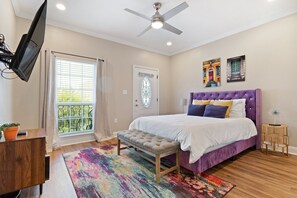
{"points": [[120, 60], [271, 66], [8, 28]]}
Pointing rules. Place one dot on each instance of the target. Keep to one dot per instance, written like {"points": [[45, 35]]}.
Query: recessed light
{"points": [[270, 0], [60, 6], [169, 43]]}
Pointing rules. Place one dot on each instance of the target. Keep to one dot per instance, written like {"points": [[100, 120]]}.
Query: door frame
{"points": [[133, 86]]}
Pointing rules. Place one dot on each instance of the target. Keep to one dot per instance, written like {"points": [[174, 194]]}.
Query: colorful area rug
{"points": [[100, 172]]}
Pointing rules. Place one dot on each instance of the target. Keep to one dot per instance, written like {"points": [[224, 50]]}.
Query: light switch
{"points": [[125, 92]]}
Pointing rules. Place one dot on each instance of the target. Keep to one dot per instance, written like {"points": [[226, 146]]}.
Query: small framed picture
{"points": [[236, 69]]}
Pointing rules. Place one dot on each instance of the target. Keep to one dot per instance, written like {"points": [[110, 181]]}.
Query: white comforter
{"points": [[196, 134]]}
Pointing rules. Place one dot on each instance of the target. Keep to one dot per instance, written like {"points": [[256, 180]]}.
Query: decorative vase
{"points": [[275, 114], [10, 133]]}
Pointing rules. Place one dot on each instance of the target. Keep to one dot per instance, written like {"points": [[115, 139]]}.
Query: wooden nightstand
{"points": [[275, 136]]}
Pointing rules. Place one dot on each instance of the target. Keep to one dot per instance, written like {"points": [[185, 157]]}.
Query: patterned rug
{"points": [[100, 172]]}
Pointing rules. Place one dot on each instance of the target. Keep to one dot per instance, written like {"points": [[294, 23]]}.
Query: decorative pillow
{"points": [[238, 109], [227, 103], [215, 111], [196, 110], [201, 102]]}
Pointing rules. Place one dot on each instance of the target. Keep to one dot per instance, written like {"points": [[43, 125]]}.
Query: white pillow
{"points": [[238, 109]]}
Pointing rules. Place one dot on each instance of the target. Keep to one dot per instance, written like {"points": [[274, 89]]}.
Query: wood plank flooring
{"points": [[254, 173]]}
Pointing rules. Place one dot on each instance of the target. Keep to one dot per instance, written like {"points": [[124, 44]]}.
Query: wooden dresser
{"points": [[22, 161]]}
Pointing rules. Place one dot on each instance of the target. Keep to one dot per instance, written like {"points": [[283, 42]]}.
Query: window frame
{"points": [[57, 104]]}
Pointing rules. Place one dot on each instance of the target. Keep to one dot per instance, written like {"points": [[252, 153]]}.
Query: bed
{"points": [[184, 126]]}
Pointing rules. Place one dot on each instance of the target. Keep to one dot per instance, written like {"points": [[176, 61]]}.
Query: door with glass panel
{"points": [[145, 91]]}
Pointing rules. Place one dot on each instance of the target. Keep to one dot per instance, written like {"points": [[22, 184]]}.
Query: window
{"points": [[218, 70], [235, 66], [75, 95]]}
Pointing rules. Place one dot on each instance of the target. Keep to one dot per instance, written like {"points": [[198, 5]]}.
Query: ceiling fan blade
{"points": [[144, 31], [174, 11], [172, 29], [138, 14]]}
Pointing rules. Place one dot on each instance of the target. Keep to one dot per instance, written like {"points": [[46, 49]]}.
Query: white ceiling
{"points": [[202, 22]]}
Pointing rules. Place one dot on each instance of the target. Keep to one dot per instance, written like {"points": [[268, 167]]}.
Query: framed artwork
{"points": [[236, 69], [212, 73]]}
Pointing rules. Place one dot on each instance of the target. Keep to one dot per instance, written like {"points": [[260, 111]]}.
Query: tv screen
{"points": [[29, 47]]}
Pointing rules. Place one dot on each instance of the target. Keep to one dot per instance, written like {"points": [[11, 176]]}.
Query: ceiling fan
{"points": [[159, 21]]}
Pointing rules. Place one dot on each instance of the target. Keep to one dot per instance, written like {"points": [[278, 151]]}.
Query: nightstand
{"points": [[275, 136]]}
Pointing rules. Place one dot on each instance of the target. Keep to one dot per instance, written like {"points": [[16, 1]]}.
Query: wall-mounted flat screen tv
{"points": [[23, 61]]}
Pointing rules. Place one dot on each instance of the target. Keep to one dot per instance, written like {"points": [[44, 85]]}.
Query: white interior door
{"points": [[145, 91]]}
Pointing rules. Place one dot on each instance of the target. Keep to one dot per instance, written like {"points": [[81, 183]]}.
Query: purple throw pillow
{"points": [[196, 110], [215, 111]]}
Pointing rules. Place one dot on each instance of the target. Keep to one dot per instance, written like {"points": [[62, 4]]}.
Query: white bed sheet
{"points": [[197, 134]]}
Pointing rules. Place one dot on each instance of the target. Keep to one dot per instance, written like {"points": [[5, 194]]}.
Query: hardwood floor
{"points": [[254, 173]]}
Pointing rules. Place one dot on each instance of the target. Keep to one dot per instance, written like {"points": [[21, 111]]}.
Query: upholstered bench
{"points": [[153, 145]]}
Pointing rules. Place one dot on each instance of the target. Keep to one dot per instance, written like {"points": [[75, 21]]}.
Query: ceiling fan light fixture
{"points": [[157, 24], [159, 21]]}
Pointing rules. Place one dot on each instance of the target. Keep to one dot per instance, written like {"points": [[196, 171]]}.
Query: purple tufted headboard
{"points": [[253, 106]]}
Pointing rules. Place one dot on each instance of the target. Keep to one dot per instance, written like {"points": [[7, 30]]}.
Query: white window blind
{"points": [[75, 95]]}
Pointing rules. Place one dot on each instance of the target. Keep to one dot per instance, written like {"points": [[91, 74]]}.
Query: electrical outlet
{"points": [[115, 120]]}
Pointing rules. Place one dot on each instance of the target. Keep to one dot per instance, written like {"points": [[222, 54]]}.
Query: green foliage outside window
{"points": [[73, 115]]}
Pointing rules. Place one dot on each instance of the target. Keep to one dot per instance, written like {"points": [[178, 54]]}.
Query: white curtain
{"points": [[102, 127], [47, 101]]}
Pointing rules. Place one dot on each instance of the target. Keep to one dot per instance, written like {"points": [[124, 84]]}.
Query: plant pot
{"points": [[10, 133]]}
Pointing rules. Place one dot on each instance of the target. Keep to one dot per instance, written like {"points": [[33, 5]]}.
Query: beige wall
{"points": [[270, 52], [120, 60], [8, 28]]}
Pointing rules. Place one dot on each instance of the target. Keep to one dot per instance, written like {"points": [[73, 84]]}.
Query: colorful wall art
{"points": [[212, 73]]}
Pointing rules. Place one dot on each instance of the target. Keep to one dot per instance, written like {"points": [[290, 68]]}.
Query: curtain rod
{"points": [[78, 56]]}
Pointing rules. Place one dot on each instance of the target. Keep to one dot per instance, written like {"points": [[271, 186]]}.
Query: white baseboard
{"points": [[68, 143], [108, 138], [71, 140], [80, 142], [292, 149], [114, 135], [78, 139], [49, 150]]}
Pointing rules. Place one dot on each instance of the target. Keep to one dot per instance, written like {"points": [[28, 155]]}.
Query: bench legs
{"points": [[158, 166], [177, 162], [159, 173], [119, 147], [157, 161]]}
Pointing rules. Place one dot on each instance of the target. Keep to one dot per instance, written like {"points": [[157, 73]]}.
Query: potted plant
{"points": [[10, 130]]}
